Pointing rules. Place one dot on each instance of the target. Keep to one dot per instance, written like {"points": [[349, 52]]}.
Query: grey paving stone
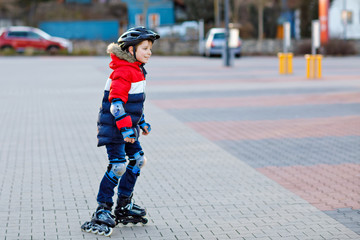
{"points": [[265, 113], [51, 166], [290, 152], [347, 216], [245, 93]]}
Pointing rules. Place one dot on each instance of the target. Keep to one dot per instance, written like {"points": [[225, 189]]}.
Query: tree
{"points": [[29, 7], [200, 9], [260, 4]]}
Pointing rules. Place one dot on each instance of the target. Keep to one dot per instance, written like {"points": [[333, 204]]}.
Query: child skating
{"points": [[120, 119]]}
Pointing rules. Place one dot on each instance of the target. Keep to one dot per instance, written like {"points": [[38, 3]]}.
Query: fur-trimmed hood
{"points": [[115, 49]]}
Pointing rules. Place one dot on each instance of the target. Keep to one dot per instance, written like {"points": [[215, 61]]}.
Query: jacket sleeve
{"points": [[119, 88], [119, 91]]}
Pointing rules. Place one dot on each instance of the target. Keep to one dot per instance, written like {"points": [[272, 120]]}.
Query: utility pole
{"points": [[227, 34], [260, 19], [217, 12], [145, 11]]}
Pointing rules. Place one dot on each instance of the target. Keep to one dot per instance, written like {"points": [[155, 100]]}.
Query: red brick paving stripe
{"points": [[256, 101], [327, 187], [243, 79], [277, 129], [213, 81]]}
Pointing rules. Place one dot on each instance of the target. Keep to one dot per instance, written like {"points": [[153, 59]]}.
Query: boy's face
{"points": [[143, 51]]}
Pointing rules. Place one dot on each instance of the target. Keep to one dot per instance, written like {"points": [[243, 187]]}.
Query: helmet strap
{"points": [[134, 51]]}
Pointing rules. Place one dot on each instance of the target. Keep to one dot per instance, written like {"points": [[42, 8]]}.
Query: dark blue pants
{"points": [[117, 153]]}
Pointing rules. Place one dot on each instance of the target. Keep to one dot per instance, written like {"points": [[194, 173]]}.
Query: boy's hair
{"points": [[136, 35]]}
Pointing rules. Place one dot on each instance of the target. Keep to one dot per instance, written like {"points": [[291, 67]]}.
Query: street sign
{"points": [[315, 35]]}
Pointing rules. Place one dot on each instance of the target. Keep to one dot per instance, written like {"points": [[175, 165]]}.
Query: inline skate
{"points": [[102, 221], [127, 211]]}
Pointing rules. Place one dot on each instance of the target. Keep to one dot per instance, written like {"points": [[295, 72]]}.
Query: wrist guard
{"points": [[128, 132], [142, 124]]}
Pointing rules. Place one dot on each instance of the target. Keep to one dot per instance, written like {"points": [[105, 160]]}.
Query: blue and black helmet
{"points": [[135, 35]]}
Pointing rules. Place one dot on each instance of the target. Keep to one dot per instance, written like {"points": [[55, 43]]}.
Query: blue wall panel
{"points": [[88, 30], [78, 1], [165, 8]]}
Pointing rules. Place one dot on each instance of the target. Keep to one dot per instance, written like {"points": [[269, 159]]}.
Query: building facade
{"points": [[344, 19]]}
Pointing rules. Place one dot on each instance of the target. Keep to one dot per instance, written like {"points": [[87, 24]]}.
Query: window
{"points": [[33, 35], [219, 36], [139, 20], [154, 20], [346, 17], [349, 17], [17, 34]]}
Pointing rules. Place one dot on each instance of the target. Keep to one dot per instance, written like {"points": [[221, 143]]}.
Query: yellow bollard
{"points": [[318, 58], [307, 57], [281, 63], [289, 63], [285, 63], [313, 65]]}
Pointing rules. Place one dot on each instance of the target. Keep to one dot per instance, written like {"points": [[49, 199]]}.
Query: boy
{"points": [[120, 119]]}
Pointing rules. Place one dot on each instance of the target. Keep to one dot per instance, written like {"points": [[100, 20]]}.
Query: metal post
{"points": [[287, 36], [145, 12], [344, 17], [227, 33], [201, 37], [315, 36], [217, 12]]}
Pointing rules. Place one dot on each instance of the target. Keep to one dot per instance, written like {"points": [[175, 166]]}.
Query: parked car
{"points": [[214, 42], [21, 37]]}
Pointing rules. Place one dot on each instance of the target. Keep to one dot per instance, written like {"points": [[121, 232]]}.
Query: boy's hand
{"points": [[129, 140], [145, 130], [129, 135], [145, 127]]}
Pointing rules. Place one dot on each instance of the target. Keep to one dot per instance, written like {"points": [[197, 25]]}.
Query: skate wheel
{"points": [[109, 232], [94, 230], [144, 221], [105, 230], [86, 227]]}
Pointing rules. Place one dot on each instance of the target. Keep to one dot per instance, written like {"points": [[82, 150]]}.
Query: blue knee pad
{"points": [[116, 169], [136, 162]]}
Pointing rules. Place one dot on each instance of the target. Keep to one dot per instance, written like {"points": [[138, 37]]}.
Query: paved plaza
{"points": [[234, 153]]}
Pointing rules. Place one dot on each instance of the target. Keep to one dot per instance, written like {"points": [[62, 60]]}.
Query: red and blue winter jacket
{"points": [[125, 83]]}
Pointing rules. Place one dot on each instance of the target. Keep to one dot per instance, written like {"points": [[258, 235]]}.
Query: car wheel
{"points": [[53, 50], [208, 55], [6, 47], [7, 50]]}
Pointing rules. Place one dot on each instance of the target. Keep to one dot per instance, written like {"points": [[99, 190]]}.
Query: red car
{"points": [[21, 37]]}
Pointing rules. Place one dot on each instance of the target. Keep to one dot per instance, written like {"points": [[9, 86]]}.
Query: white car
{"points": [[214, 42]]}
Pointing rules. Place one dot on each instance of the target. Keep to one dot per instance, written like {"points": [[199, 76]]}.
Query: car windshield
{"points": [[42, 34]]}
